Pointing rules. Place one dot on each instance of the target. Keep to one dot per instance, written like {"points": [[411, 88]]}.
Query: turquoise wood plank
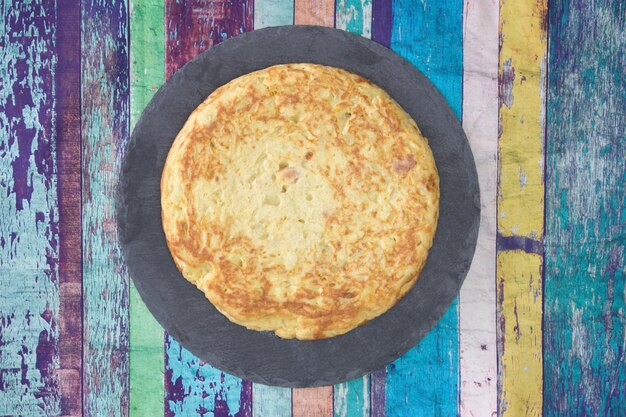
{"points": [[585, 261], [105, 120], [206, 391], [354, 16], [29, 300], [424, 382], [272, 13], [270, 401], [352, 398]]}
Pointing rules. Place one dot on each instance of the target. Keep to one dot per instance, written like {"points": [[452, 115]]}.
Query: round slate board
{"points": [[261, 356]]}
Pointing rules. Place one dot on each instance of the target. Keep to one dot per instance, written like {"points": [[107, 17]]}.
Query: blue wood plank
{"points": [[29, 299], [585, 242], [105, 122], [424, 382]]}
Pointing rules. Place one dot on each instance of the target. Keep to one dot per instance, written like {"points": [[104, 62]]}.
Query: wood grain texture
{"points": [[477, 318], [382, 21], [521, 206], [270, 401], [519, 316], [314, 12], [354, 16], [67, 86], [147, 74], [272, 13], [352, 398], [105, 118], [192, 387], [424, 382], [29, 236], [193, 26], [378, 380], [585, 265], [312, 402]]}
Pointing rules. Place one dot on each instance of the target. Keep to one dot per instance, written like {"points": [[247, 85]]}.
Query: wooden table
{"points": [[539, 326]]}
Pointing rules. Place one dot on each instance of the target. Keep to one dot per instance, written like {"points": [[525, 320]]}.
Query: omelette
{"points": [[300, 199]]}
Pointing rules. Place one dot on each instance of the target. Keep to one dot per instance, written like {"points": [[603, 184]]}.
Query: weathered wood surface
{"points": [[585, 273], [105, 110], [191, 386], [477, 319], [147, 74], [68, 70], [522, 76], [68, 142], [29, 219], [425, 381], [314, 12]]}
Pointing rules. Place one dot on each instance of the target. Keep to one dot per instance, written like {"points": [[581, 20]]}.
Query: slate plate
{"points": [[260, 356]]}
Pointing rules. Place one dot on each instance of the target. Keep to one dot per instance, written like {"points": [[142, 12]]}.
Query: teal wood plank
{"points": [[105, 119], [272, 13], [585, 242], [424, 382], [29, 301], [354, 16], [270, 401], [352, 398], [205, 391]]}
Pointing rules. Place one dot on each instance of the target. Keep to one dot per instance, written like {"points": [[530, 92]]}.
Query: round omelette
{"points": [[300, 199]]}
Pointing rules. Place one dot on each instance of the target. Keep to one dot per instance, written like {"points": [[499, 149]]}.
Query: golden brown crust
{"points": [[300, 199]]}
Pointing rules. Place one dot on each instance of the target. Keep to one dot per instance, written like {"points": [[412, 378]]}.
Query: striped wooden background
{"points": [[539, 326]]}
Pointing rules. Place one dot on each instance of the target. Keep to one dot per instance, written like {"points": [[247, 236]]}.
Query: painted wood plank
{"points": [[67, 126], [195, 25], [312, 402], [270, 401], [378, 380], [192, 387], [382, 21], [521, 206], [29, 301], [519, 316], [352, 398], [105, 119], [354, 16], [272, 13], [477, 318], [147, 74], [424, 382], [314, 12], [585, 264]]}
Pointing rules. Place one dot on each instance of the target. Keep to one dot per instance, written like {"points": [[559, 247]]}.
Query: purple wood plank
{"points": [[382, 16], [105, 125], [195, 25], [192, 387], [378, 379], [29, 234], [69, 201]]}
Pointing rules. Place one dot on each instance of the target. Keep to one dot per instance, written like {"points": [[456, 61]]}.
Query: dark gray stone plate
{"points": [[260, 356]]}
